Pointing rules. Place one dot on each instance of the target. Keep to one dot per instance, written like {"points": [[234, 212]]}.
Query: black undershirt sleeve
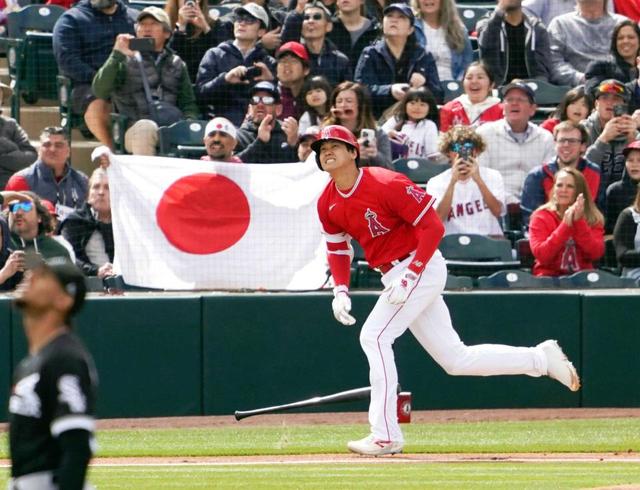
{"points": [[76, 453]]}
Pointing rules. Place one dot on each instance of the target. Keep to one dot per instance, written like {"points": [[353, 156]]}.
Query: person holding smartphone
{"points": [[469, 198], [166, 73], [351, 108], [196, 31]]}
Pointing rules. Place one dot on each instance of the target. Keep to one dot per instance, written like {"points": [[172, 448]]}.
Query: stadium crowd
{"points": [[268, 75]]}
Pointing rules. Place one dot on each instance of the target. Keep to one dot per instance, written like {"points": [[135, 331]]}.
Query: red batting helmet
{"points": [[339, 133]]}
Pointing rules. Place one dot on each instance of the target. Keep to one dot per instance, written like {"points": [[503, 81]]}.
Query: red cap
{"points": [[50, 207], [296, 49], [634, 145]]}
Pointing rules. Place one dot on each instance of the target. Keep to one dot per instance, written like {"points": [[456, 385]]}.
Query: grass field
{"points": [[557, 436]]}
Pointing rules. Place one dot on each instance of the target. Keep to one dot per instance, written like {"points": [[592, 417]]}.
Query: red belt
{"points": [[384, 268]]}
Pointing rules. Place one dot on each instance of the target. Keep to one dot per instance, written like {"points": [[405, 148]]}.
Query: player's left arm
{"points": [[415, 206]]}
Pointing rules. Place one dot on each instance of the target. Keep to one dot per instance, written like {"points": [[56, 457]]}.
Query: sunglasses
{"points": [[245, 19], [265, 99], [611, 88], [24, 206], [312, 17]]}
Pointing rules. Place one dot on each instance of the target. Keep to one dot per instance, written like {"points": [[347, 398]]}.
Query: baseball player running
{"points": [[395, 223], [52, 401]]}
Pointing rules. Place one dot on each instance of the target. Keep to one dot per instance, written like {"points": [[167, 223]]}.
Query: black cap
{"points": [[70, 278], [265, 86], [403, 8], [525, 87]]}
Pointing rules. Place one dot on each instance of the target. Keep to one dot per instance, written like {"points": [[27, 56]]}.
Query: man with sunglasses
{"points": [[228, 70], [51, 176], [262, 138], [610, 129], [312, 28]]}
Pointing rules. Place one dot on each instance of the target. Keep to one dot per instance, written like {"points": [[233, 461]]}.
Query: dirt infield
{"points": [[427, 416]]}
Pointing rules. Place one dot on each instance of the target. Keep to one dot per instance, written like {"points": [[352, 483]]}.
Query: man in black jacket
{"points": [[312, 27], [262, 138]]}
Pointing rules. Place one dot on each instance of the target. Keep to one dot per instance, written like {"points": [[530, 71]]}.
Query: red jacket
{"points": [[628, 8], [549, 238], [453, 113]]}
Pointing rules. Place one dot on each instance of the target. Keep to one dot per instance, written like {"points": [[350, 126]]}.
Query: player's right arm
{"points": [[339, 255]]}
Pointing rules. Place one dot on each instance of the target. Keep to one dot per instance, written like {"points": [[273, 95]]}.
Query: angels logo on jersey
{"points": [[375, 227], [417, 193]]}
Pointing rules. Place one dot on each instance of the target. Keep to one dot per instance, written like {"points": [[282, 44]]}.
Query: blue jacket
{"points": [[459, 59], [83, 38], [376, 68], [223, 98]]}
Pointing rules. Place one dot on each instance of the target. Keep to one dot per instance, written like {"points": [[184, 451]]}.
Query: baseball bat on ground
{"points": [[343, 396]]}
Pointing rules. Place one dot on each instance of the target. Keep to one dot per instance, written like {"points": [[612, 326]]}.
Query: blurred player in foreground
{"points": [[397, 226], [51, 422]]}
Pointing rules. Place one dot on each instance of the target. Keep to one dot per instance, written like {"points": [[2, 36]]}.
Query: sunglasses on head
{"points": [[24, 206], [265, 99], [316, 16], [611, 88]]}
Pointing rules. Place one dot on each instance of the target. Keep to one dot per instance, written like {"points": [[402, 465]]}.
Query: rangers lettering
{"points": [[375, 227]]}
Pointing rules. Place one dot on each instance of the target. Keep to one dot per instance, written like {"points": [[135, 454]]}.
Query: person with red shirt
{"points": [[396, 224], [567, 233]]}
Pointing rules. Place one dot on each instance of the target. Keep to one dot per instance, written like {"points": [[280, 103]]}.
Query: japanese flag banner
{"points": [[186, 224]]}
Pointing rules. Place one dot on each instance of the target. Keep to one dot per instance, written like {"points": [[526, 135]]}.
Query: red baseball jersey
{"points": [[380, 211]]}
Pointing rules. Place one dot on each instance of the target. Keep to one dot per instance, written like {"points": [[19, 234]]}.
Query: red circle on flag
{"points": [[203, 213]]}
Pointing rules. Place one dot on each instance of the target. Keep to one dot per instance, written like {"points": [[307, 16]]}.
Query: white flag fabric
{"points": [[187, 224]]}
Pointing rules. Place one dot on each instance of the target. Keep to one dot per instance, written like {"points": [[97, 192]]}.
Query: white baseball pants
{"points": [[427, 316]]}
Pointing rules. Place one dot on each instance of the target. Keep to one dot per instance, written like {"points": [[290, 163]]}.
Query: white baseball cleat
{"points": [[370, 446], [558, 366]]}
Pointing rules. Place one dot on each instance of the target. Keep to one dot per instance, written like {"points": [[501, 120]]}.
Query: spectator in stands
{"points": [[82, 40], [30, 222], [513, 45], [352, 31], [621, 64], [441, 32], [11, 261], [53, 231], [621, 194], [351, 108], [609, 133], [220, 139], [272, 38], [514, 144], [89, 229], [316, 95], [477, 105], [262, 138], [578, 38], [166, 74], [16, 151], [51, 176], [567, 233], [413, 128], [571, 142], [470, 198], [305, 140], [396, 63], [292, 69], [312, 28], [576, 105], [227, 70], [547, 10], [626, 239], [195, 31]]}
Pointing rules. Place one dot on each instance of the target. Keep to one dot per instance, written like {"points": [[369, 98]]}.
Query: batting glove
{"points": [[398, 291], [341, 305]]}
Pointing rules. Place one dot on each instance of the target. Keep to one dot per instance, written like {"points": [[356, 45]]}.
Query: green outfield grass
{"points": [[437, 476], [596, 435]]}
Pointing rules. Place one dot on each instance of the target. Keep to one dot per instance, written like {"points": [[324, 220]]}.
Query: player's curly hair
{"points": [[460, 134]]}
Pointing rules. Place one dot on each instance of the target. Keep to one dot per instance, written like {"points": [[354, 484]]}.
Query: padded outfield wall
{"points": [[191, 354]]}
